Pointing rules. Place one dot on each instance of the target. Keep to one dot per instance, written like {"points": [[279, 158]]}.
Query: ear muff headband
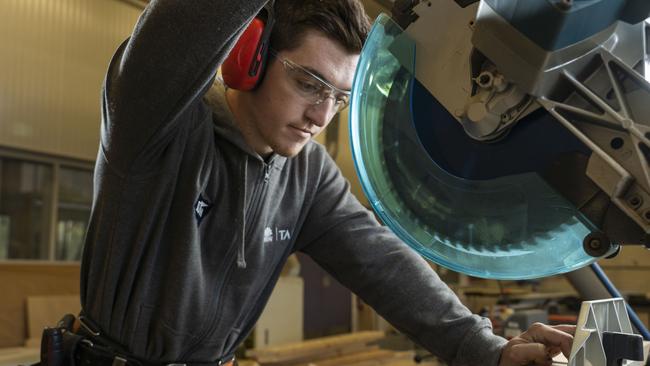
{"points": [[244, 67]]}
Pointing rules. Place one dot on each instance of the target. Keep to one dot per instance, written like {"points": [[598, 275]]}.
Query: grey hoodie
{"points": [[190, 228]]}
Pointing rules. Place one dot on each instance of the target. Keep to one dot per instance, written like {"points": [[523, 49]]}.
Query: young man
{"points": [[183, 249]]}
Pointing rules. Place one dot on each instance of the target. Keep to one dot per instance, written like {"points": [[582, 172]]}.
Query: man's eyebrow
{"points": [[315, 72]]}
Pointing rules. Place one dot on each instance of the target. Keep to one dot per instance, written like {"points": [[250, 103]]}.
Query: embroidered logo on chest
{"points": [[271, 235], [201, 209]]}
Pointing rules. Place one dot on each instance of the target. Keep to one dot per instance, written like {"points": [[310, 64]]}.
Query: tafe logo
{"points": [[271, 235]]}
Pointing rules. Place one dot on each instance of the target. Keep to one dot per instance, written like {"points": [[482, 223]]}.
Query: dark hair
{"points": [[344, 21]]}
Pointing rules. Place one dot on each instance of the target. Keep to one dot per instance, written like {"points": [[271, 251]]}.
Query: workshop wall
{"points": [[53, 59]]}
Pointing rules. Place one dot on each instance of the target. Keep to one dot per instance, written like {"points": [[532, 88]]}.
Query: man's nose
{"points": [[321, 114]]}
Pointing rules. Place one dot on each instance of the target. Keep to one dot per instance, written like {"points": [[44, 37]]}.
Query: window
{"points": [[75, 198], [4, 236], [26, 199], [44, 208]]}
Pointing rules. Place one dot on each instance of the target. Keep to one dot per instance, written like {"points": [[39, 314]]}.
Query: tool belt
{"points": [[66, 346]]}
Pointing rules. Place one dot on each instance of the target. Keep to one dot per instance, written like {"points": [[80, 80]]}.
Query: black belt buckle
{"points": [[87, 326]]}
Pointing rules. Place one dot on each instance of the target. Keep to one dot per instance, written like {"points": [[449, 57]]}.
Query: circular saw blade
{"points": [[476, 208]]}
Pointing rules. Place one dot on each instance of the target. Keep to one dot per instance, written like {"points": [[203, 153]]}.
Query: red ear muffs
{"points": [[244, 66]]}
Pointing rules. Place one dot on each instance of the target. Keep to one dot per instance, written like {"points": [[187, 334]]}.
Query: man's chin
{"points": [[288, 154], [289, 151]]}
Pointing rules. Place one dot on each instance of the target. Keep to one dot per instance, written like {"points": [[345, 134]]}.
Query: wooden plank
{"points": [[317, 348], [247, 363], [374, 355], [19, 356], [326, 354]]}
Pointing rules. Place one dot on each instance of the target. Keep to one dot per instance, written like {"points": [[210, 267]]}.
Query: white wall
{"points": [[53, 56]]}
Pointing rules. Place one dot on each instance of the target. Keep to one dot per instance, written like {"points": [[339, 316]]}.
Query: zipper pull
{"points": [[267, 173]]}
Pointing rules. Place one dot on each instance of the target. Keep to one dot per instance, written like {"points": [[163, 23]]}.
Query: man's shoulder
{"points": [[314, 153], [314, 148], [314, 161]]}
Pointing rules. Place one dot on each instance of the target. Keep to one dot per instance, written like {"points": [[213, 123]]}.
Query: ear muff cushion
{"points": [[243, 67]]}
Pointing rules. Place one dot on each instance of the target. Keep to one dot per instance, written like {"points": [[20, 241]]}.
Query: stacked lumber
{"points": [[354, 349]]}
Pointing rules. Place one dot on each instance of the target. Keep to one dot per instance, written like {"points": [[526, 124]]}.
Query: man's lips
{"points": [[303, 129]]}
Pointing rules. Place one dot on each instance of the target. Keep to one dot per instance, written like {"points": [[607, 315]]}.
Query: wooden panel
{"points": [[17, 282], [46, 311]]}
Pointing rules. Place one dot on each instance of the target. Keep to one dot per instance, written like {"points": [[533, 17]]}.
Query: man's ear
{"points": [[244, 67]]}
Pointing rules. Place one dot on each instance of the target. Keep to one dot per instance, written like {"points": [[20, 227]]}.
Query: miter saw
{"points": [[508, 139]]}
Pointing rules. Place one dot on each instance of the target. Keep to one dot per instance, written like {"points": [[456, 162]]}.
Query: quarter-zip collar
{"points": [[226, 127]]}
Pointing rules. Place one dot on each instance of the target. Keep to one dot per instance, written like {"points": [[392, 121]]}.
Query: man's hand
{"points": [[538, 345]]}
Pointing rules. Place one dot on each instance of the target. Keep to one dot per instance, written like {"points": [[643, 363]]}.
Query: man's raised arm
{"points": [[165, 66]]}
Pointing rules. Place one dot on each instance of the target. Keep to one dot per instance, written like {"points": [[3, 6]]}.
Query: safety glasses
{"points": [[313, 89]]}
